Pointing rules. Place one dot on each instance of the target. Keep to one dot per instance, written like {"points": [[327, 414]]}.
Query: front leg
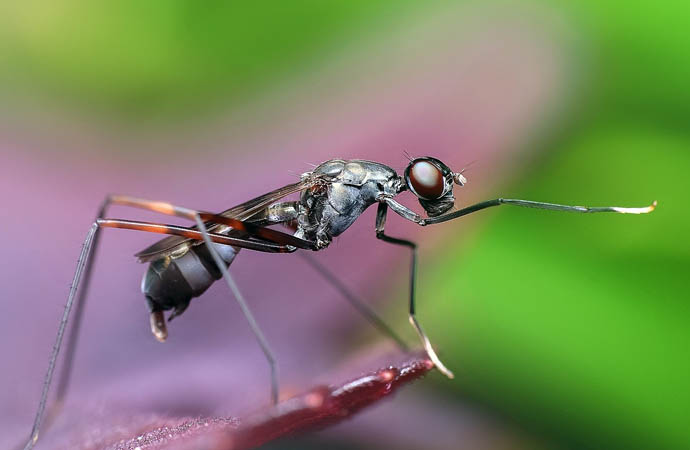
{"points": [[535, 205], [407, 213], [380, 234], [401, 210]]}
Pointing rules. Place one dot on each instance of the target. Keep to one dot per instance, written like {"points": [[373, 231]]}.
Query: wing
{"points": [[243, 211]]}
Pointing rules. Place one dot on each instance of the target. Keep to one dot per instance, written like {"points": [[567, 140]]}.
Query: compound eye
{"points": [[426, 180]]}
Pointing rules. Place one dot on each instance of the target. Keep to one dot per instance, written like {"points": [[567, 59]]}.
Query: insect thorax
{"points": [[351, 186]]}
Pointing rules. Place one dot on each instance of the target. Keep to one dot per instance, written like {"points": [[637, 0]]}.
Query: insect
{"points": [[332, 196]]}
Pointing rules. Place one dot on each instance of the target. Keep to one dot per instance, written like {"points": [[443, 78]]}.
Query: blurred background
{"points": [[564, 331]]}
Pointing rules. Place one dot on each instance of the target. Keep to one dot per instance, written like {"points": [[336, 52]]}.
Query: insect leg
{"points": [[254, 230], [196, 216], [537, 205], [203, 234], [191, 233], [287, 212], [360, 306], [73, 338], [81, 263], [82, 276], [380, 225], [72, 341], [263, 343]]}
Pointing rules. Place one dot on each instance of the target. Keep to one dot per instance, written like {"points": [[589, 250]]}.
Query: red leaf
{"points": [[320, 407]]}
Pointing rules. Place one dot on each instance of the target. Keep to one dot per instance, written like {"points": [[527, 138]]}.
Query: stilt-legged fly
{"points": [[332, 197]]}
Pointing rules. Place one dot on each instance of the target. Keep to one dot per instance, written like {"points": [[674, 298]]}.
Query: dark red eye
{"points": [[426, 180]]}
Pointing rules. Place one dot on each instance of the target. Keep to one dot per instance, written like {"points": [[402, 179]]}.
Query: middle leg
{"points": [[286, 213], [357, 303], [380, 234]]}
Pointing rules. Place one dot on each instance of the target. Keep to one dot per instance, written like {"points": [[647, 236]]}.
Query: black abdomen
{"points": [[171, 283]]}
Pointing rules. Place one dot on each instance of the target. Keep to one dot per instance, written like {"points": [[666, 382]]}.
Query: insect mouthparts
{"points": [[459, 178]]}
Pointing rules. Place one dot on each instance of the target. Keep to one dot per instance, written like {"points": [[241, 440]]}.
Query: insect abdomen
{"points": [[171, 283]]}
